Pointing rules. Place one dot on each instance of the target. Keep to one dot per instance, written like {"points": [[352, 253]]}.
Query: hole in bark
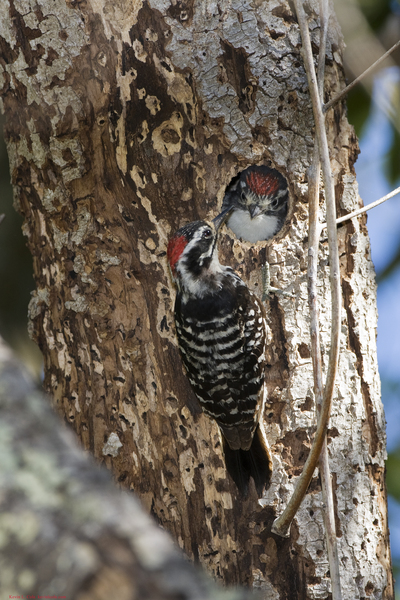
{"points": [[275, 35], [164, 324], [170, 136], [369, 588], [284, 14], [166, 65], [307, 404], [124, 419], [262, 195]]}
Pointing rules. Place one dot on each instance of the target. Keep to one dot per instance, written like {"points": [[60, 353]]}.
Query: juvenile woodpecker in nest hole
{"points": [[221, 332], [257, 203]]}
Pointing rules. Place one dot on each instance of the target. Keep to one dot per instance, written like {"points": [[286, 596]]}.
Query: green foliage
{"points": [[393, 156], [393, 474], [358, 108], [15, 260], [376, 12]]}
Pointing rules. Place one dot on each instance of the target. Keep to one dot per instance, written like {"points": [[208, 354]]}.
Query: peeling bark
{"points": [[124, 121]]}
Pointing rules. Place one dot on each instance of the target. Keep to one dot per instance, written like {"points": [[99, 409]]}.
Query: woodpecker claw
{"points": [[267, 289]]}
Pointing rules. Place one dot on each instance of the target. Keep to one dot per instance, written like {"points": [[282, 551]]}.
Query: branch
{"points": [[313, 245], [346, 90], [364, 209], [281, 525], [67, 525]]}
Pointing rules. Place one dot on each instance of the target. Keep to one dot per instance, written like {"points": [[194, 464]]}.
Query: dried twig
{"points": [[364, 209], [357, 80], [313, 245], [281, 525]]}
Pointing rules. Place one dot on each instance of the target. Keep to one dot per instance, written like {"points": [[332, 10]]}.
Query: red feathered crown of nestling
{"points": [[262, 184]]}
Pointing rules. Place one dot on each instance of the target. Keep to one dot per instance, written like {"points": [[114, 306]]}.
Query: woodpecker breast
{"points": [[253, 229]]}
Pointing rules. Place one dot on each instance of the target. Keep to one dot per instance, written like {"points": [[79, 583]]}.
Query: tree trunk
{"points": [[66, 530], [125, 121]]}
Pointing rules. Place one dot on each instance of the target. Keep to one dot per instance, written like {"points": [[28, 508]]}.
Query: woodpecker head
{"points": [[193, 258], [257, 203]]}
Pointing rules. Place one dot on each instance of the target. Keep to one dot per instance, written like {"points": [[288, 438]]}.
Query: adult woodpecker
{"points": [[257, 202], [221, 332]]}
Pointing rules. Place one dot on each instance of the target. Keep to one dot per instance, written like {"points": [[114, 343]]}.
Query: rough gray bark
{"points": [[124, 121], [65, 529]]}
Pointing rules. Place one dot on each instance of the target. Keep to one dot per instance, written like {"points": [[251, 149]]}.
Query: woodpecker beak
{"points": [[254, 210], [221, 218]]}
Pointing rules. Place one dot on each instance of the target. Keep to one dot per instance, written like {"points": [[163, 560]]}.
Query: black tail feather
{"points": [[254, 463]]}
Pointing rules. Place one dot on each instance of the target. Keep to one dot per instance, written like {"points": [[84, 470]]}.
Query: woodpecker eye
{"points": [[207, 233], [275, 203]]}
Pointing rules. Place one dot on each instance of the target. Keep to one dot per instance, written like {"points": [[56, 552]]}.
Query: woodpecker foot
{"points": [[267, 289]]}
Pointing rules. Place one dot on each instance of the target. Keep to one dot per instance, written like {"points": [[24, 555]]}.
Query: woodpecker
{"points": [[257, 202], [221, 331]]}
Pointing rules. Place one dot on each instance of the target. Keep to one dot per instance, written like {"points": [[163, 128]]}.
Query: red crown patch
{"points": [[262, 185], [175, 248]]}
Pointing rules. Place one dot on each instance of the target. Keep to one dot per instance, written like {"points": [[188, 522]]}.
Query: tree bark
{"points": [[125, 121], [66, 530]]}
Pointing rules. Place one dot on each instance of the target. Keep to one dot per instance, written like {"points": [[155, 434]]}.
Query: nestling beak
{"points": [[254, 210], [219, 219]]}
